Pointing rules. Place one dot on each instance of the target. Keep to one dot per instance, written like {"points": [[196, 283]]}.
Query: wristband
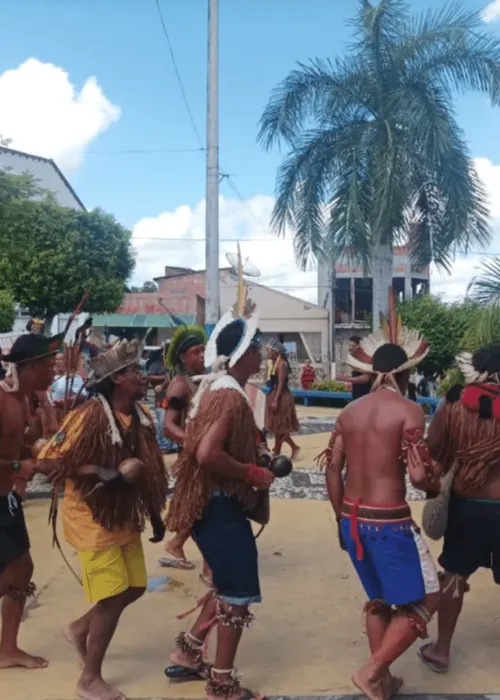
{"points": [[255, 476], [16, 467]]}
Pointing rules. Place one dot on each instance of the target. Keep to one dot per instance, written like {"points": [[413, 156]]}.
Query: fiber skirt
{"points": [[284, 420]]}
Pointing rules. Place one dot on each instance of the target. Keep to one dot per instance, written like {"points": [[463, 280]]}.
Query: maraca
{"points": [[280, 466], [37, 447]]}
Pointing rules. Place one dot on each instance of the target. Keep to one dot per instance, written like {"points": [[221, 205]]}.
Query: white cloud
{"points": [[491, 12], [44, 114], [274, 257], [247, 221]]}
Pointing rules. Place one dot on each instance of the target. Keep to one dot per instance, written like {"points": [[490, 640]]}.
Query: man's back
{"points": [[372, 431]]}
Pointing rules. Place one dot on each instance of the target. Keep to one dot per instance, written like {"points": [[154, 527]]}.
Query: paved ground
{"points": [[308, 636]]}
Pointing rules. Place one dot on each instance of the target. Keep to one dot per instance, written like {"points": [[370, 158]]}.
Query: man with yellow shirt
{"points": [[106, 505]]}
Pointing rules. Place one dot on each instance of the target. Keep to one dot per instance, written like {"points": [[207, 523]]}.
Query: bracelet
{"points": [[16, 466]]}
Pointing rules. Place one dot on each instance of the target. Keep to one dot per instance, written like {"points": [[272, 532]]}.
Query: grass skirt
{"points": [[284, 421]]}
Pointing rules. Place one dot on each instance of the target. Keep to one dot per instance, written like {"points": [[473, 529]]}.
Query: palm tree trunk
{"points": [[382, 280]]}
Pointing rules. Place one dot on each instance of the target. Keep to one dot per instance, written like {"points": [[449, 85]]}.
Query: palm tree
{"points": [[485, 289], [375, 156]]}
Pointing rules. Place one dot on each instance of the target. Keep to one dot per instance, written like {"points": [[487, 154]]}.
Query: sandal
{"points": [[183, 674], [435, 666], [176, 563], [199, 671]]}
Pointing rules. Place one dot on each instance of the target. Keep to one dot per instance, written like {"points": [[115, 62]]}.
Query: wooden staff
{"points": [[76, 311]]}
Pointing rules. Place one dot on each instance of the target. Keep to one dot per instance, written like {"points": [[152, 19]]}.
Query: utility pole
{"points": [[212, 292], [333, 289]]}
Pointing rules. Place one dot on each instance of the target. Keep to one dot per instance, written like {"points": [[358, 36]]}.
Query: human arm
{"points": [[177, 402], [282, 374], [436, 434], [362, 379], [334, 466], [49, 417], [212, 456], [334, 482], [423, 472]]}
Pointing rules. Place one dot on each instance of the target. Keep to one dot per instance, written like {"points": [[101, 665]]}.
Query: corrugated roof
{"points": [[138, 320]]}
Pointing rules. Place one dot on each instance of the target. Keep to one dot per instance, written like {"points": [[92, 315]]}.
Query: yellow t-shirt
{"points": [[80, 529]]}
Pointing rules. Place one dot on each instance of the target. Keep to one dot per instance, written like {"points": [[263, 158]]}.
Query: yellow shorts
{"points": [[111, 571]]}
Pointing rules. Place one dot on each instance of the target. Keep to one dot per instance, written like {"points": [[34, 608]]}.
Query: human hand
{"points": [[259, 477], [159, 529], [104, 474], [158, 389], [27, 470]]}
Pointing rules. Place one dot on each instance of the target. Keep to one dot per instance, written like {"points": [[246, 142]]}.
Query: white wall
{"points": [[43, 171], [279, 313]]}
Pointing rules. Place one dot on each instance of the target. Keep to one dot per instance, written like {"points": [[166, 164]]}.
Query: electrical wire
{"points": [[222, 174], [178, 75]]}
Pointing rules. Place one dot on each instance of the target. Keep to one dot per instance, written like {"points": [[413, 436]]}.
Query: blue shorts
{"points": [[225, 538], [391, 559]]}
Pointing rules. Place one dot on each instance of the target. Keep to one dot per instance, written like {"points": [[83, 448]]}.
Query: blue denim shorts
{"points": [[225, 538]]}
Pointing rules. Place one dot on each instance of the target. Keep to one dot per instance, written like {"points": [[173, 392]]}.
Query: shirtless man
{"points": [[33, 358], [371, 437], [465, 435], [186, 358]]}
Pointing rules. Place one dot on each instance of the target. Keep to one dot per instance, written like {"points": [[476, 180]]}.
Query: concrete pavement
{"points": [[308, 636]]}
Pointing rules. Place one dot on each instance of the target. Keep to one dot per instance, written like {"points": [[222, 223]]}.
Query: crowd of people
{"points": [[103, 454]]}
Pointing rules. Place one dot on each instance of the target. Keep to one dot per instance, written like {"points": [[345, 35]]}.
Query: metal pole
{"points": [[212, 193], [333, 289]]}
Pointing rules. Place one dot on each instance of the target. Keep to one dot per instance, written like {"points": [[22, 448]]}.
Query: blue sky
{"points": [[121, 43]]}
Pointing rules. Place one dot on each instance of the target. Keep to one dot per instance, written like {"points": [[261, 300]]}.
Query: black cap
{"points": [[33, 347]]}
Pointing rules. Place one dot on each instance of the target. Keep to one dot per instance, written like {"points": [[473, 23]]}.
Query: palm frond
{"points": [[485, 289], [314, 93]]}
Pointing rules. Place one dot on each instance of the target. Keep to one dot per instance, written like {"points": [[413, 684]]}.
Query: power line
{"points": [[141, 151], [178, 75], [223, 175]]}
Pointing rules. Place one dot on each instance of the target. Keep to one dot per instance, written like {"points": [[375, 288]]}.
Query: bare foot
{"points": [[78, 640], [97, 689], [176, 552], [391, 686], [295, 453], [372, 689], [181, 658], [436, 662], [18, 658]]}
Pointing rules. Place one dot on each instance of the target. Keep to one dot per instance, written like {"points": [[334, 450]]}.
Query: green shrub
{"points": [[329, 385]]}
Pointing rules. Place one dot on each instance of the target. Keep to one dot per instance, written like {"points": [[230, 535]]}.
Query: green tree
{"points": [[22, 186], [7, 311], [375, 154], [442, 325], [50, 255]]}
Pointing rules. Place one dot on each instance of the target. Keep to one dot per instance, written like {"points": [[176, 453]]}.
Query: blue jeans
{"points": [[225, 538]]}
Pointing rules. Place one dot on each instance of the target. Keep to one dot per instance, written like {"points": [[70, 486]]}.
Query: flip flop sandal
{"points": [[176, 563], [182, 674], [435, 666]]}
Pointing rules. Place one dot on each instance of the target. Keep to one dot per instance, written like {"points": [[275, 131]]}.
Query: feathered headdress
{"points": [[184, 337], [123, 354], [223, 353], [391, 331], [244, 310]]}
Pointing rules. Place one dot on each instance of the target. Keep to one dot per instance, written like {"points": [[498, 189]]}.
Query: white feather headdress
{"points": [[391, 331]]}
